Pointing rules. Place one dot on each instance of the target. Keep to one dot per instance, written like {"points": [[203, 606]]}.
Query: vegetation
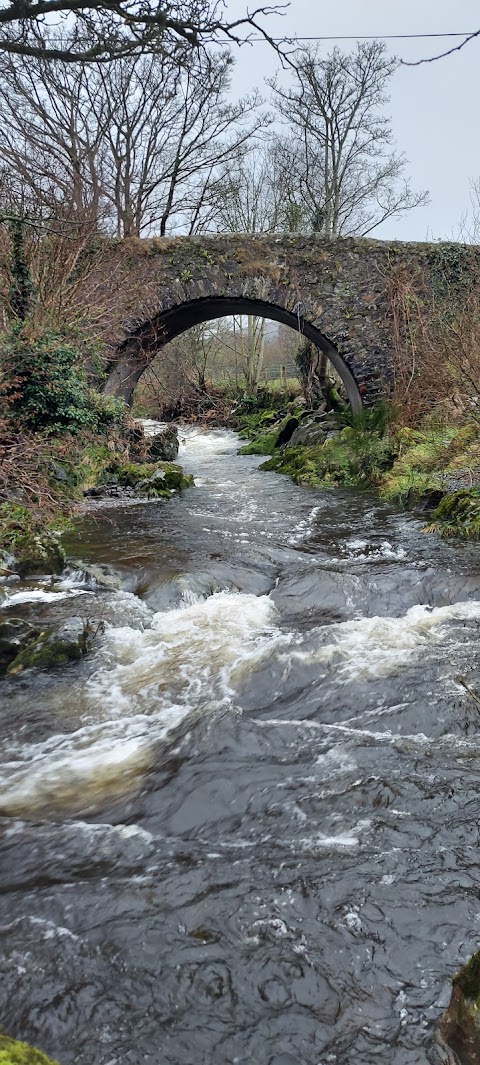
{"points": [[437, 466], [45, 386], [354, 457], [13, 1052]]}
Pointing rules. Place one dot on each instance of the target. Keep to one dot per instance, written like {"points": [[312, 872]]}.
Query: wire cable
{"points": [[373, 37]]}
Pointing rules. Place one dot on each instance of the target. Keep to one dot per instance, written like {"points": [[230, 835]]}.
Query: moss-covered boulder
{"points": [[154, 479], [166, 478], [265, 443], [458, 514], [40, 554], [56, 647], [460, 1026], [14, 1053], [30, 548]]}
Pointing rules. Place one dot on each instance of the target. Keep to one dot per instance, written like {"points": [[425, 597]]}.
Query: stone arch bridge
{"points": [[338, 294]]}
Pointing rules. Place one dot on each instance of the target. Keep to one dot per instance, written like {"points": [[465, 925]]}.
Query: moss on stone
{"points": [[12, 1052], [263, 444], [157, 479], [35, 548], [53, 649], [458, 514], [352, 457]]}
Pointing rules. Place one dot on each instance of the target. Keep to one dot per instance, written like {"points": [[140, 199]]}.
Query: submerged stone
{"points": [[96, 575]]}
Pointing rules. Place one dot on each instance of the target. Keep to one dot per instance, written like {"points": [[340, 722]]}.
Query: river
{"points": [[245, 829]]}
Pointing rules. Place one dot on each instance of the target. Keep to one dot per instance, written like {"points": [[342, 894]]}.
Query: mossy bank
{"points": [[437, 467], [31, 522]]}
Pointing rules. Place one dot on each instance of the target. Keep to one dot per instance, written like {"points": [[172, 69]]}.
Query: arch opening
{"points": [[137, 352]]}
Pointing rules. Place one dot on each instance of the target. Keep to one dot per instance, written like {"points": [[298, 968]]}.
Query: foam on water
{"points": [[148, 684], [39, 595], [369, 648]]}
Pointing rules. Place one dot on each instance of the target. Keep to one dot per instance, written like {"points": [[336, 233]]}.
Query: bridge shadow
{"points": [[138, 351]]}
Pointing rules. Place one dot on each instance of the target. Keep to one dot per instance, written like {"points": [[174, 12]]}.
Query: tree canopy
{"points": [[97, 31]]}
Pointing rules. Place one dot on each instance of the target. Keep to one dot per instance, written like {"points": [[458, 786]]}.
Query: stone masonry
{"points": [[338, 293]]}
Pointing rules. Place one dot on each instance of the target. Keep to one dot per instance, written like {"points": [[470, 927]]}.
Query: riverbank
{"points": [[130, 465], [435, 468], [45, 481]]}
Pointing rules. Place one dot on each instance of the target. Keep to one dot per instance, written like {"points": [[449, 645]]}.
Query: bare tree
{"points": [[135, 146], [98, 31], [469, 225], [48, 143], [250, 196], [250, 200], [339, 139]]}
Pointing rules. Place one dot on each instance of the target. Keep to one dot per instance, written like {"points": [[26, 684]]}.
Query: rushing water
{"points": [[245, 829]]}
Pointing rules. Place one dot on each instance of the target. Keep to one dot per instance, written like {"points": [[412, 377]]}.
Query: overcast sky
{"points": [[434, 107]]}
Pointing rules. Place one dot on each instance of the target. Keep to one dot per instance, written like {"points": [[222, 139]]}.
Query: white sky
{"points": [[434, 107]]}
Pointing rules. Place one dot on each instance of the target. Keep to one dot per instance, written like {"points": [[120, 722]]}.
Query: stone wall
{"points": [[145, 292]]}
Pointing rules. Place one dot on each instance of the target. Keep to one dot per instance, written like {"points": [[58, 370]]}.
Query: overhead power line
{"points": [[373, 37]]}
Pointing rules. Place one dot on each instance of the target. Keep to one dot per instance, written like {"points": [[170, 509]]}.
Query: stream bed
{"points": [[245, 829]]}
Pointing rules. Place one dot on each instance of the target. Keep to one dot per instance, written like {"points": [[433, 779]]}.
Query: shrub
{"points": [[44, 387]]}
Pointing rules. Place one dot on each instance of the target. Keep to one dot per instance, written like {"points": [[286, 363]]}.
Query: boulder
{"points": [[286, 432], [15, 635], [163, 446], [163, 481], [8, 564], [310, 434], [56, 647], [40, 553]]}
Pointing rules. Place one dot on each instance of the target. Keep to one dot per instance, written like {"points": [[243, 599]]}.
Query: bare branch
{"points": [[98, 31], [442, 55]]}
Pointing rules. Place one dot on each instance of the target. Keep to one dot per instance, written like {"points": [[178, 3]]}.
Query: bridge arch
{"points": [[138, 351]]}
